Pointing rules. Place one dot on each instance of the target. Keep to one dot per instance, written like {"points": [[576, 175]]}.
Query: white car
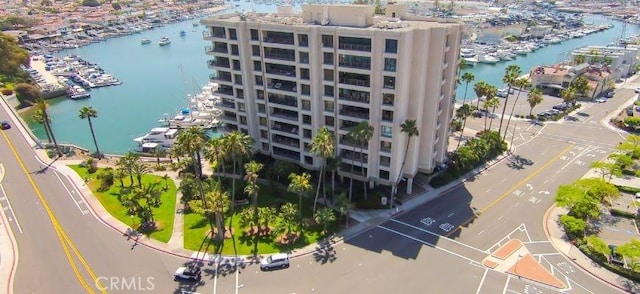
{"points": [[274, 261], [637, 90], [600, 100], [191, 272]]}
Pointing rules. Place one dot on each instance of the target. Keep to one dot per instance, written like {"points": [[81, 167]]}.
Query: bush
{"points": [[601, 260]]}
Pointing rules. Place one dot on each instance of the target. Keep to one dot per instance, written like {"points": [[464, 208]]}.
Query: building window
{"points": [[257, 65], [306, 89], [236, 64], [385, 146], [259, 80], [327, 41], [387, 99], [328, 106], [243, 119], [255, 50], [241, 107], [387, 115], [254, 35], [304, 57], [264, 134], [385, 131], [328, 91], [232, 34], [306, 133], [385, 160], [303, 40], [265, 146], [390, 64], [329, 121], [234, 50], [263, 121], [308, 160], [260, 94], [238, 79], [389, 82], [306, 119], [261, 108], [327, 58], [384, 174], [391, 46], [304, 73], [328, 75], [240, 93], [306, 105]]}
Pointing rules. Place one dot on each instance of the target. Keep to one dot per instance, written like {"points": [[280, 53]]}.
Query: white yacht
{"points": [[487, 58], [164, 41], [164, 136]]}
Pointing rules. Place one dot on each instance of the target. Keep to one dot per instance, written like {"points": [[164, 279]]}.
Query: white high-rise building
{"points": [[283, 76]]}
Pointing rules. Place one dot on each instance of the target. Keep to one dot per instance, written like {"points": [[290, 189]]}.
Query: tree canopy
{"points": [[11, 55]]}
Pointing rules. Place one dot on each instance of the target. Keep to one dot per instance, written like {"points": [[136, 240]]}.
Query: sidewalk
{"points": [[555, 233]]}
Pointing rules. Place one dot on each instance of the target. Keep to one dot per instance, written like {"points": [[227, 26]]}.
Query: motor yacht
{"points": [[164, 136], [164, 41]]}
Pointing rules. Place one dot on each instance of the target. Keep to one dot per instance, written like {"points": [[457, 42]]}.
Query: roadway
{"points": [[427, 248]]}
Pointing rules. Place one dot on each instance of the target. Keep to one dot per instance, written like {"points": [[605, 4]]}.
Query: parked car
{"points": [[600, 100], [280, 260], [502, 93], [609, 94], [629, 112], [191, 272], [637, 90], [561, 106], [637, 108], [4, 125], [477, 113]]}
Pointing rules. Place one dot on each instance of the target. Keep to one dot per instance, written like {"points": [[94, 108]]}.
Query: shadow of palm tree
{"points": [[324, 252]]}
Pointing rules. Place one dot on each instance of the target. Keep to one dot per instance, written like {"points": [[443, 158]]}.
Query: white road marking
{"points": [[506, 284], [500, 217], [530, 187], [70, 193], [438, 235], [451, 214], [429, 244], [480, 232], [482, 280], [516, 205], [15, 218]]}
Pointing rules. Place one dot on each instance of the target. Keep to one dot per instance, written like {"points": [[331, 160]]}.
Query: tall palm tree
{"points": [[38, 117], [191, 142], [568, 95], [322, 145], [409, 127], [464, 111], [214, 204], [214, 152], [490, 103], [126, 163], [252, 169], [512, 73], [467, 77], [88, 112], [480, 89], [535, 98], [522, 84], [139, 169], [299, 184], [238, 145], [42, 105], [363, 132]]}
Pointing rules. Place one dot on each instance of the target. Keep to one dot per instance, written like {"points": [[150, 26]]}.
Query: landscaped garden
{"points": [[133, 202]]}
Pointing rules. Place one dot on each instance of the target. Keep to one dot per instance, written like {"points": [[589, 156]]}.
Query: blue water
{"points": [[157, 79]]}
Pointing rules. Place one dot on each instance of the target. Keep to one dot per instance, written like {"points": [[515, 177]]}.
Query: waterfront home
{"points": [[553, 79]]}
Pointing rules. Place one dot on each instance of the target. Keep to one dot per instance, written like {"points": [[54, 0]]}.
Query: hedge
{"points": [[601, 260]]}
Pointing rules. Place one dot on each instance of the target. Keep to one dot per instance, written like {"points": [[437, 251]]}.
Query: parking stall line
{"points": [[484, 276]]}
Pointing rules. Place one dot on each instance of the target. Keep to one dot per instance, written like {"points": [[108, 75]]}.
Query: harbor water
{"points": [[156, 80]]}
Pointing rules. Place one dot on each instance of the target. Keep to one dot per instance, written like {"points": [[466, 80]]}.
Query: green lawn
{"points": [[163, 215], [196, 228]]}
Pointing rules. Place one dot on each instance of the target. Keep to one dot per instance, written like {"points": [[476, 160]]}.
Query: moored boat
{"points": [[145, 41], [164, 41]]}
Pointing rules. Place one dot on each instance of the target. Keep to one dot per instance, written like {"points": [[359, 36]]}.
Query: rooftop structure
{"points": [[283, 76]]}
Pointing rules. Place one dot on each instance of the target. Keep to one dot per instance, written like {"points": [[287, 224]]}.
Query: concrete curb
{"points": [[573, 260]]}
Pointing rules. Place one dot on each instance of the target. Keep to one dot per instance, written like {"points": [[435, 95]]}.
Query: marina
{"points": [[152, 88]]}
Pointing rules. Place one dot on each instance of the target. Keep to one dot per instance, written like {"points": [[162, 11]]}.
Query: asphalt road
{"points": [[435, 248]]}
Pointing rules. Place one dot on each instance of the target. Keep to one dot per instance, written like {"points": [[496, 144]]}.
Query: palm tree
{"points": [[157, 153], [42, 105], [522, 84], [581, 85], [579, 59], [299, 184], [467, 77], [362, 133], [535, 98], [344, 206], [126, 163], [190, 142], [252, 169], [215, 203], [322, 145], [139, 169], [512, 73], [409, 127], [239, 146], [152, 199], [492, 103], [214, 152], [88, 112], [480, 88], [464, 111], [324, 216], [568, 95], [38, 117]]}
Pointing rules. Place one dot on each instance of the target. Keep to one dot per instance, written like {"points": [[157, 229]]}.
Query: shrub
{"points": [[601, 260], [6, 92]]}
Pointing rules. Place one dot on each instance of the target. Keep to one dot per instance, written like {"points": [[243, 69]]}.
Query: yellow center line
{"points": [[516, 186], [60, 233]]}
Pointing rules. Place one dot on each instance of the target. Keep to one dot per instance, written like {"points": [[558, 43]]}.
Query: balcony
{"points": [[347, 125], [224, 91], [283, 86], [224, 103], [355, 47], [285, 128], [285, 114], [217, 32], [354, 96], [356, 64], [286, 141], [216, 49], [220, 77], [356, 112], [354, 157], [218, 63], [228, 116], [355, 82], [344, 140], [292, 155], [289, 72], [280, 54], [290, 101], [278, 38]]}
